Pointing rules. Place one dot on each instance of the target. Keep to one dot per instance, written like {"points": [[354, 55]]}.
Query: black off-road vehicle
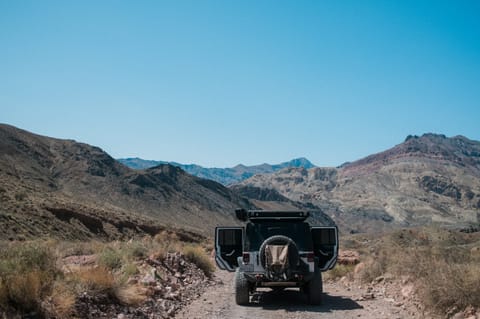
{"points": [[276, 249]]}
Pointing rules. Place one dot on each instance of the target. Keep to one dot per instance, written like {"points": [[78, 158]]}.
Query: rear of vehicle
{"points": [[276, 250]]}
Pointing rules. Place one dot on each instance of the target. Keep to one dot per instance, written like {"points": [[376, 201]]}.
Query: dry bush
{"points": [[97, 279], [27, 274], [339, 271], [128, 270], [19, 257], [110, 258], [136, 250], [25, 290], [199, 257], [165, 242], [451, 285], [437, 260], [63, 300], [131, 295]]}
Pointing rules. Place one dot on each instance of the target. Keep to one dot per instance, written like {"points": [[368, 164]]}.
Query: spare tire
{"points": [[293, 257]]}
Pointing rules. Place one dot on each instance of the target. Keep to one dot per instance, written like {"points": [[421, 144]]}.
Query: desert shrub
{"points": [[27, 273], [130, 269], [110, 258], [165, 242], [25, 290], [199, 257], [451, 285], [131, 295], [339, 271], [135, 250], [127, 271], [63, 300], [25, 257], [437, 260], [98, 279]]}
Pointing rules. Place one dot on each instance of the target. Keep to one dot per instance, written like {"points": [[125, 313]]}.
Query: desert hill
{"points": [[225, 176], [425, 179], [73, 190]]}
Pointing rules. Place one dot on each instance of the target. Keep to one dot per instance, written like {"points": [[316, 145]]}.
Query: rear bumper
{"points": [[295, 280]]}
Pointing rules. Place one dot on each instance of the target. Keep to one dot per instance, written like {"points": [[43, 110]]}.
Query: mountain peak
{"points": [[301, 162], [457, 150]]}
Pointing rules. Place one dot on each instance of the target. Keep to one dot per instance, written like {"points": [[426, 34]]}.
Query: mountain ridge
{"points": [[77, 191], [225, 176], [424, 180]]}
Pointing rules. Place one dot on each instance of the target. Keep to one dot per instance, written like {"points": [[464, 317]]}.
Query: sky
{"points": [[218, 83]]}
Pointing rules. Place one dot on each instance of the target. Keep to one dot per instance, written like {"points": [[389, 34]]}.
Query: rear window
{"points": [[299, 232]]}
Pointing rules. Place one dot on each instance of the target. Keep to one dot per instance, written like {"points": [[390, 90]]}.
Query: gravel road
{"points": [[339, 301]]}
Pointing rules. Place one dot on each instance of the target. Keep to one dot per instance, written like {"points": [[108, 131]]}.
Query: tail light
{"points": [[246, 258]]}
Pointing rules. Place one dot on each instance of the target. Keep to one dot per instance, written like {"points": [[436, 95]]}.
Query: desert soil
{"points": [[340, 300]]}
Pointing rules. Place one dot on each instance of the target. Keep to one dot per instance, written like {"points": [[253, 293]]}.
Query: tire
{"points": [[314, 289], [241, 289], [293, 257]]}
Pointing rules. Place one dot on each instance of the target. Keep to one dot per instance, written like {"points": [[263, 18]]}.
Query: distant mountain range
{"points": [[426, 179], [71, 190], [225, 176]]}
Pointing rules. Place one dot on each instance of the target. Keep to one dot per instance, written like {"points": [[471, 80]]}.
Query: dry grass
{"points": [[199, 257], [98, 279], [31, 279], [437, 260], [63, 300], [131, 295], [111, 258], [27, 273], [339, 271], [451, 285]]}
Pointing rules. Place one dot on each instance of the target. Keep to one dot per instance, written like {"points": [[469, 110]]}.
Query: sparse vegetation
{"points": [[198, 256], [32, 277], [27, 273], [439, 261], [339, 271], [97, 279], [110, 258]]}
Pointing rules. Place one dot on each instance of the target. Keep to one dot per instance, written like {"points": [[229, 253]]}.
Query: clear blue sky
{"points": [[219, 83]]}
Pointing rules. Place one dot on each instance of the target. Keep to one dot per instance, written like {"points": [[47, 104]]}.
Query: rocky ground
{"points": [[386, 297], [163, 286]]}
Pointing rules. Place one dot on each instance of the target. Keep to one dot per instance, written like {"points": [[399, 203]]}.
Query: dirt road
{"points": [[339, 301]]}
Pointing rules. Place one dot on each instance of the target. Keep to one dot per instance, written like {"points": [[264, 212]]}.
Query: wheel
{"points": [[282, 240], [314, 289], [241, 288]]}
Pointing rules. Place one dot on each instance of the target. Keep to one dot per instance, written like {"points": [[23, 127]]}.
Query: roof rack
{"points": [[245, 215]]}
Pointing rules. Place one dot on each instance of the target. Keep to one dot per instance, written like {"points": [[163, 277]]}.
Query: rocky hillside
{"points": [[73, 190], [225, 176], [425, 179]]}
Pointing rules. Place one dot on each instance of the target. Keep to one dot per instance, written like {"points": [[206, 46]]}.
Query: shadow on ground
{"points": [[293, 300]]}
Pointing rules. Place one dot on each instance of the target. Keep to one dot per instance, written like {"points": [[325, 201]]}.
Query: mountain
{"points": [[225, 176], [423, 180], [72, 190]]}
